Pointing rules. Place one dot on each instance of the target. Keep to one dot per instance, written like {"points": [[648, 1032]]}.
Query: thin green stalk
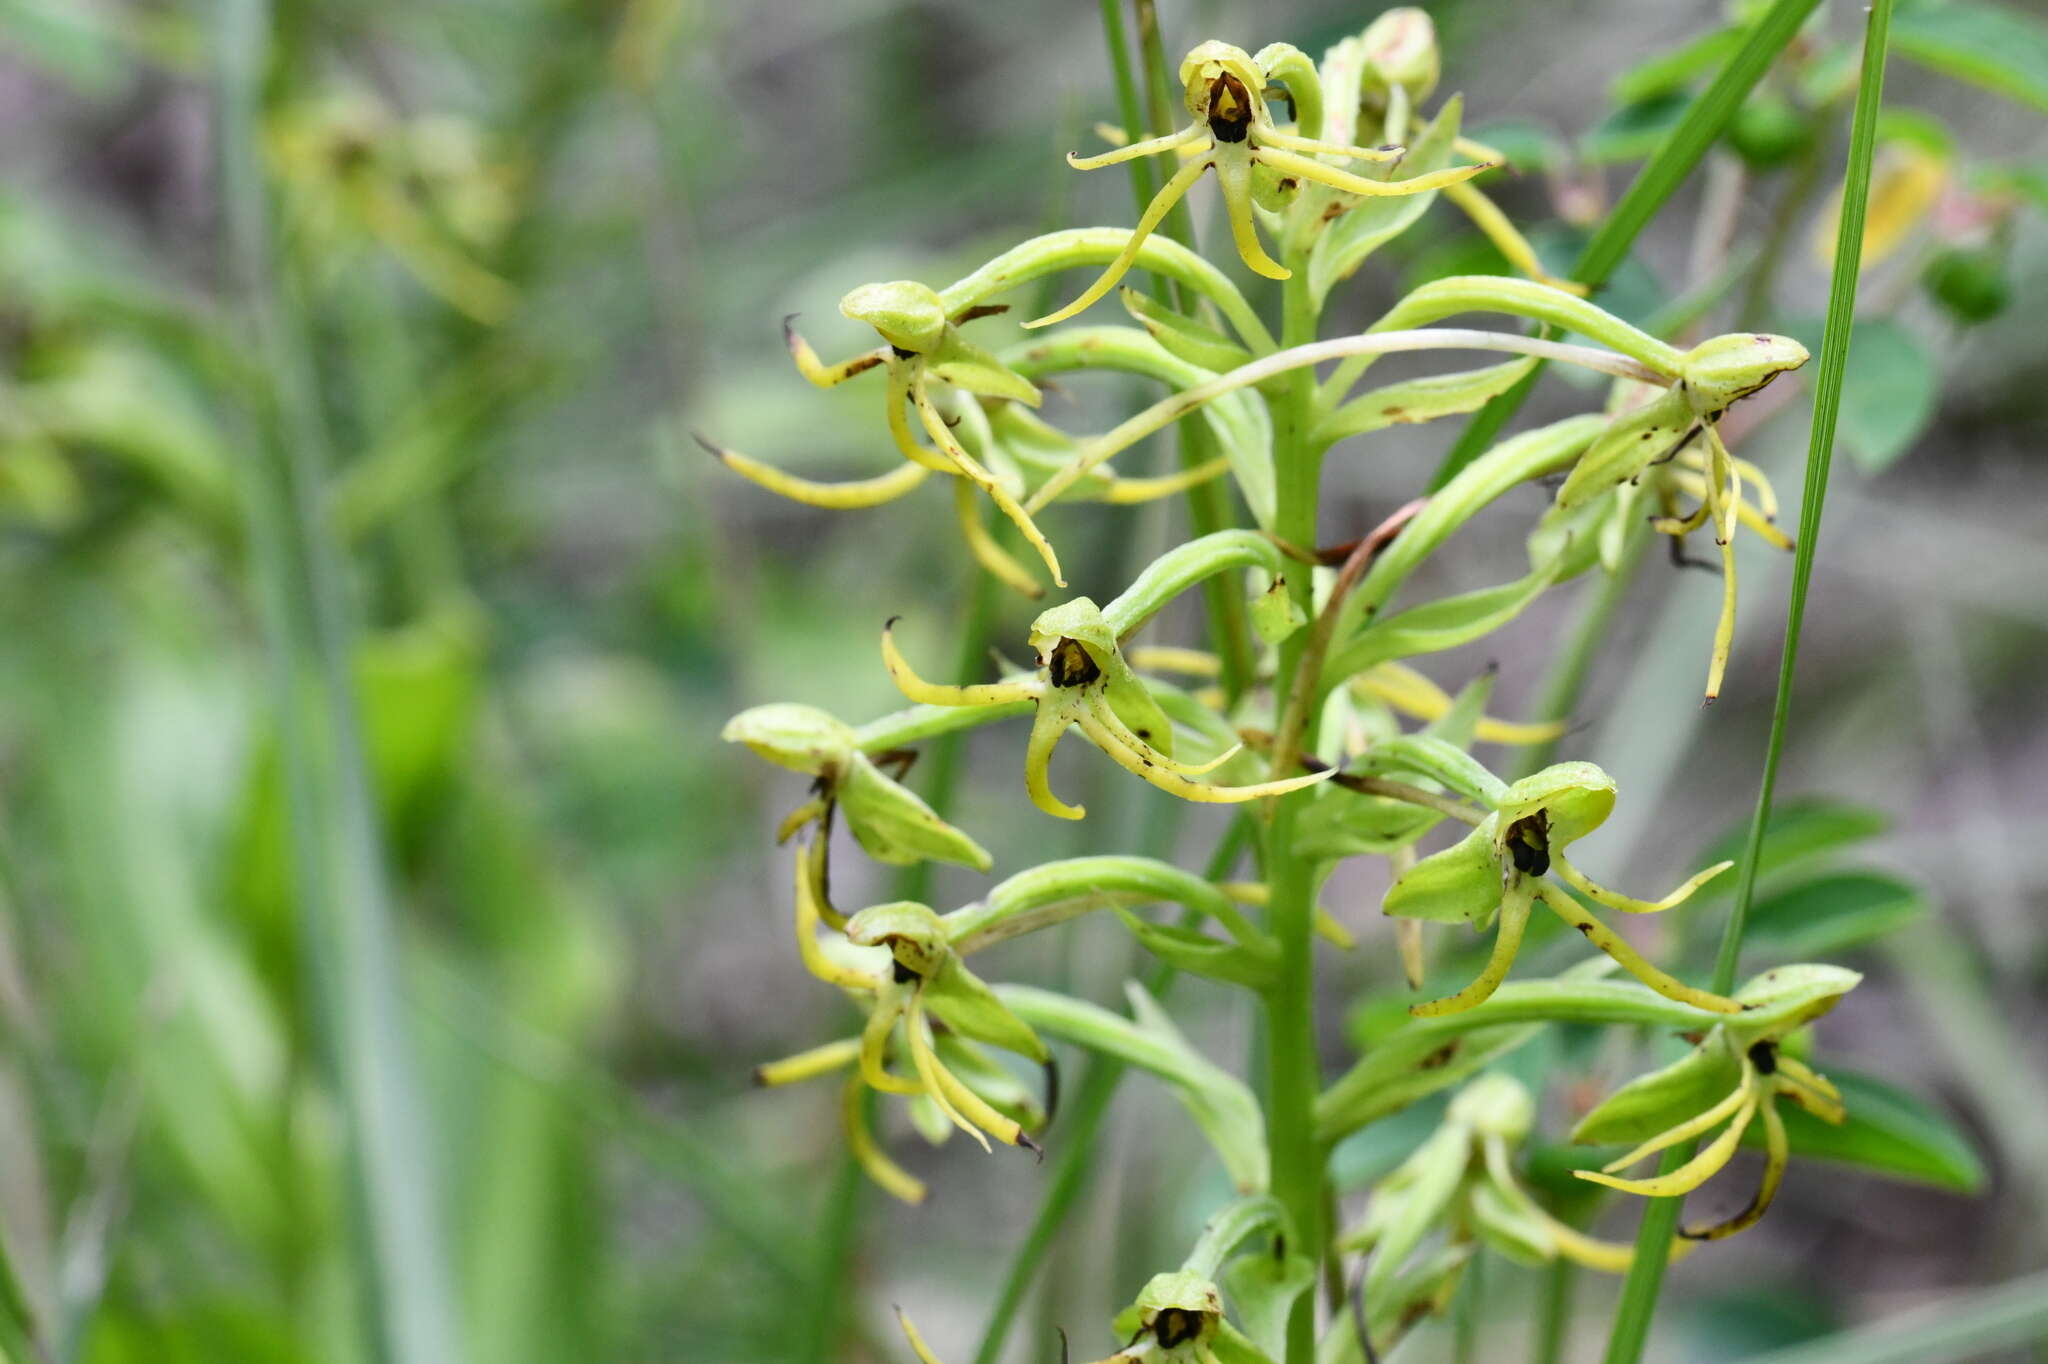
{"points": [[1554, 1325], [1653, 1243], [1566, 679], [1082, 1118], [1682, 148], [345, 897], [1292, 1078]]}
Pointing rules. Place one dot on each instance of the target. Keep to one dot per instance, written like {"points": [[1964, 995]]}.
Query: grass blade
{"points": [[1967, 1326], [1704, 120], [1653, 1243], [346, 901]]}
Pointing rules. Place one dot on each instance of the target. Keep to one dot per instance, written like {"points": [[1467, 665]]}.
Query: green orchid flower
{"points": [[1233, 133], [1502, 865], [921, 342], [890, 821], [1733, 1077]]}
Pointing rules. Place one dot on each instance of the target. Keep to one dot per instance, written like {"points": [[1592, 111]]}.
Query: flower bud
{"points": [[909, 315], [1401, 49]]}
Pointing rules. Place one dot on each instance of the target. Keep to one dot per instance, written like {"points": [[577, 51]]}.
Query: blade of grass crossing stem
{"points": [[346, 909], [1639, 1294], [1681, 150]]}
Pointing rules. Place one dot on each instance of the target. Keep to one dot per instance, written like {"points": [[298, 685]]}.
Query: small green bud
{"points": [[907, 314], [1722, 369], [1275, 615], [1770, 130], [802, 738], [1401, 49], [911, 931], [1495, 1105]]}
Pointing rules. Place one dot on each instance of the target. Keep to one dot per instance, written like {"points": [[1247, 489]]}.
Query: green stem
{"points": [[1681, 150], [1554, 1326], [1631, 1327], [1291, 1072], [1082, 1118], [1567, 676]]}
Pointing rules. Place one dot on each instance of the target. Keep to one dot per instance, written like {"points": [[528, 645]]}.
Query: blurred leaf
{"points": [[1633, 132], [1830, 913], [1890, 395], [1527, 146], [1888, 1131], [1798, 830], [1670, 72], [1989, 46]]}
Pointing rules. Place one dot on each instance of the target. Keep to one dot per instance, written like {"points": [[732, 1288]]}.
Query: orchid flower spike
{"points": [[920, 343], [1734, 1077], [1503, 865], [1233, 133], [1084, 682], [917, 978], [1681, 428]]}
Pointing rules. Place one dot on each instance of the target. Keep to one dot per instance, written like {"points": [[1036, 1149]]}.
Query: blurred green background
{"points": [[350, 356]]}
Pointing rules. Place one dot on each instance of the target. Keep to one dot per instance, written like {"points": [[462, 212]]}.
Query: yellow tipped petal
{"points": [[1690, 1175], [968, 1110], [797, 818], [817, 371], [1777, 1151], [1507, 940], [1332, 932], [873, 1161], [1308, 146], [1695, 1126], [1174, 784], [917, 1345], [1632, 961], [1628, 904], [807, 1065], [1724, 629], [1047, 728], [1515, 733], [1796, 1070], [1162, 203], [1766, 495], [1125, 492], [860, 492], [812, 858], [970, 467], [1234, 176], [932, 694], [1307, 168], [1098, 706], [1001, 565], [1134, 150]]}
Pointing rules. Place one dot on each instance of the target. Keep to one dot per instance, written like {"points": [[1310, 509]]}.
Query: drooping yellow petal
{"points": [[1777, 1151], [1697, 1125], [1055, 713], [1234, 178], [806, 1065], [1632, 961], [1098, 706], [874, 1047], [1507, 941], [1628, 904], [1128, 492], [1155, 212], [807, 923], [968, 1110], [932, 694], [1695, 1172], [1172, 658], [797, 818], [873, 1161], [899, 423], [970, 467], [1000, 563], [1724, 535], [1414, 694]]}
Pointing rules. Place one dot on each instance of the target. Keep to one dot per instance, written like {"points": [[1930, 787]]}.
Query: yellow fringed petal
{"points": [[1174, 784], [1047, 728], [807, 922], [1689, 1176], [1000, 563], [968, 1110], [1777, 1151], [1287, 163], [1695, 1126], [1496, 227], [917, 1345], [932, 694], [807, 1065], [1234, 176], [1632, 961], [1127, 492], [1131, 151], [859, 492]]}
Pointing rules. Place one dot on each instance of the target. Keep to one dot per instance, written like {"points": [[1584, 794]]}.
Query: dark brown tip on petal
{"points": [[890, 623], [717, 452], [789, 329], [760, 1077], [1063, 1343], [1051, 1067], [1024, 1140], [1712, 697]]}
